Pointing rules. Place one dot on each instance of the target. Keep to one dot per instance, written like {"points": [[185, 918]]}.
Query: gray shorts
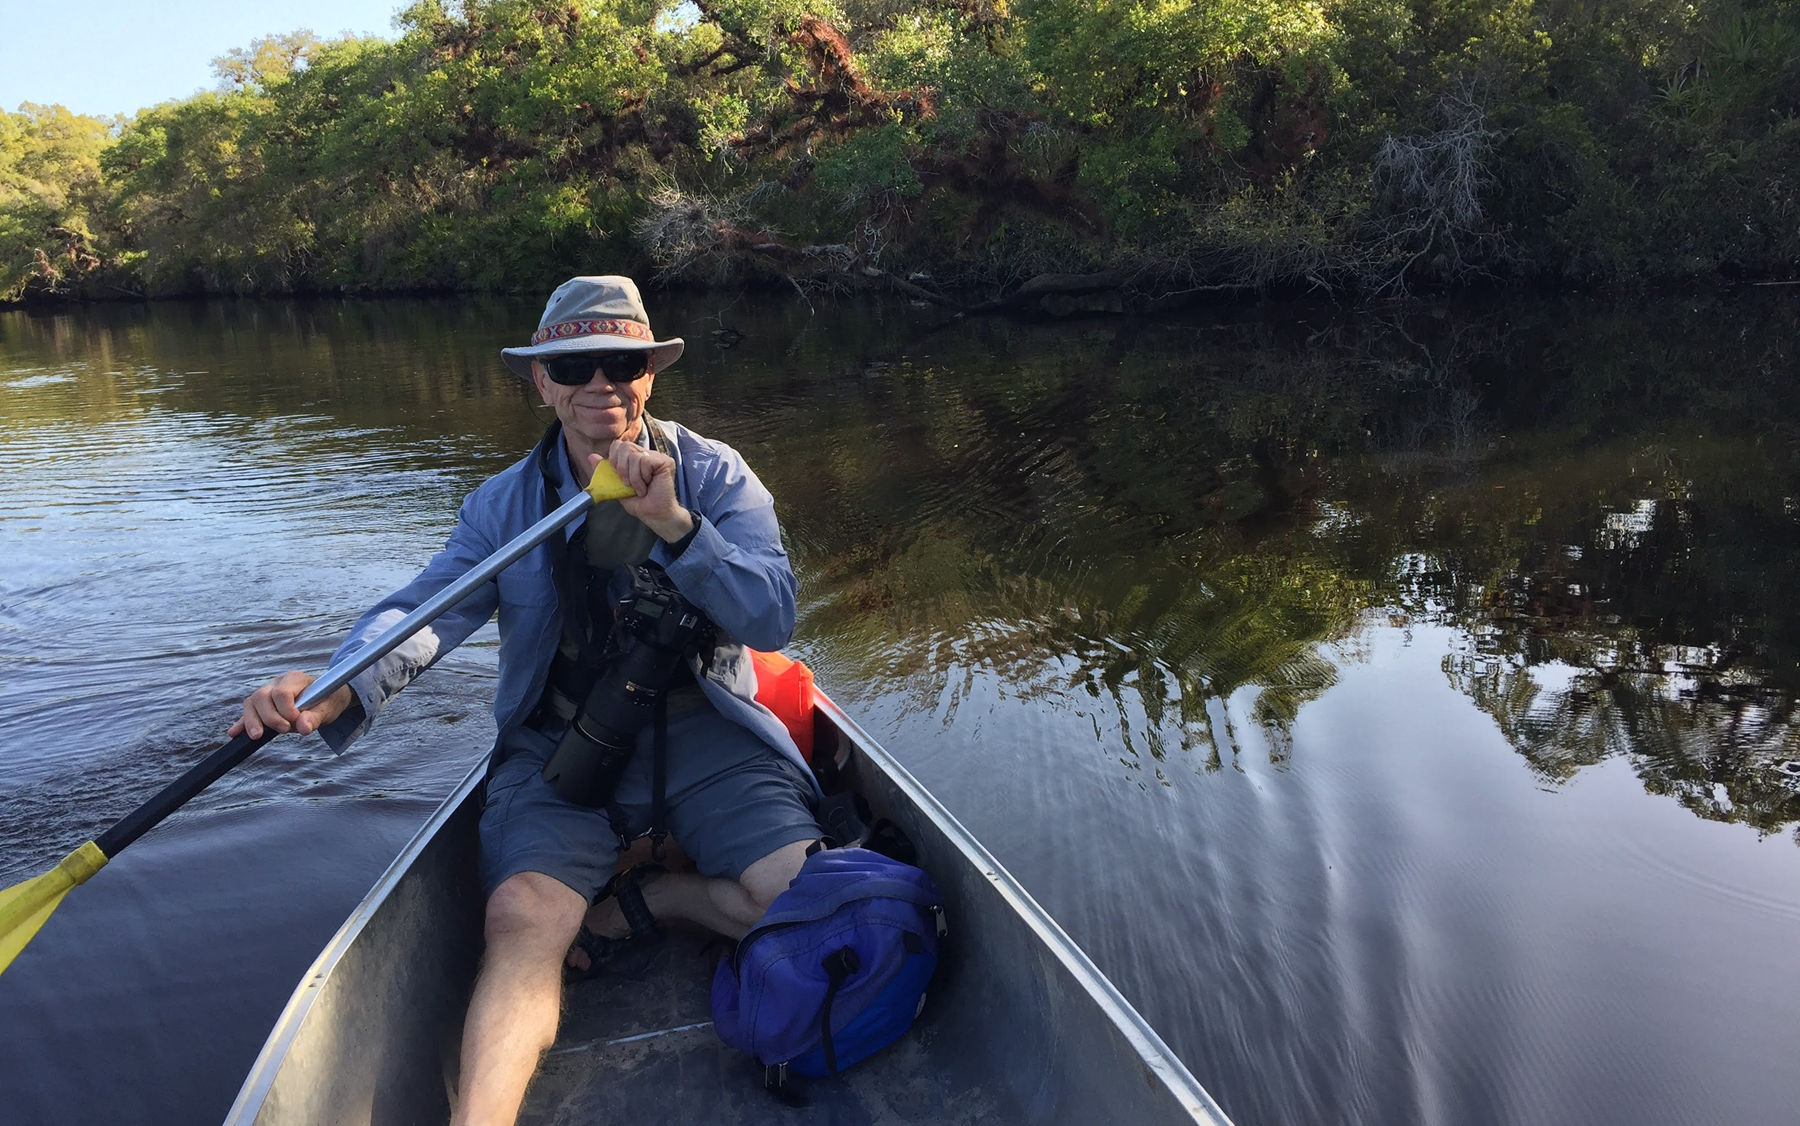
{"points": [[732, 800]]}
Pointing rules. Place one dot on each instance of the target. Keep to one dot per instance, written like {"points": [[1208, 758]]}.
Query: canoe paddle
{"points": [[25, 907]]}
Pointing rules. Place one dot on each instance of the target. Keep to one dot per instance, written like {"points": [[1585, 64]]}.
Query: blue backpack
{"points": [[836, 970]]}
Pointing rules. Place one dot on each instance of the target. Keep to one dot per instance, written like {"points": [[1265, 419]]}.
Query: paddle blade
{"points": [[606, 484], [24, 908]]}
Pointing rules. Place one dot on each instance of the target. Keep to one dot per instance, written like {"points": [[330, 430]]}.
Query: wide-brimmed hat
{"points": [[598, 314]]}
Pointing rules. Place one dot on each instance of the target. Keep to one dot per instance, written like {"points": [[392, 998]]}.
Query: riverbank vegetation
{"points": [[938, 147]]}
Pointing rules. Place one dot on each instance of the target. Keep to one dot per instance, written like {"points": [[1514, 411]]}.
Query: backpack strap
{"points": [[839, 964]]}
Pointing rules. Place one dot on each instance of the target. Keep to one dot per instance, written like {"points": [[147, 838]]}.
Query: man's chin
{"points": [[599, 426]]}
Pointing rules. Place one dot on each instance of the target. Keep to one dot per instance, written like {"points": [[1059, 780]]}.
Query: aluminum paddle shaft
{"points": [[434, 607], [204, 773]]}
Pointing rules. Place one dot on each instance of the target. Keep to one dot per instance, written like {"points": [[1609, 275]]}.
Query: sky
{"points": [[118, 56]]}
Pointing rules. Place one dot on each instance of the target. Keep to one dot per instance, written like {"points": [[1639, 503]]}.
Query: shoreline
{"points": [[1101, 294]]}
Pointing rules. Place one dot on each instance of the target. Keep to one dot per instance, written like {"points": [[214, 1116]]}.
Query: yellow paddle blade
{"points": [[26, 907], [606, 484]]}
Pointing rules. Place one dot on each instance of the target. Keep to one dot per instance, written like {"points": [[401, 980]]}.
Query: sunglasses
{"points": [[617, 367]]}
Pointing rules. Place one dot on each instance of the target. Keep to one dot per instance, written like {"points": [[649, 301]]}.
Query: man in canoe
{"points": [[737, 794]]}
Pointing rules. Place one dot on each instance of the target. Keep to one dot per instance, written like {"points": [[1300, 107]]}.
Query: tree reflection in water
{"points": [[1656, 632], [1176, 517]]}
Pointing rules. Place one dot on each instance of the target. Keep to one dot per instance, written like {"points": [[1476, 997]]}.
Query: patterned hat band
{"points": [[593, 313], [593, 328]]}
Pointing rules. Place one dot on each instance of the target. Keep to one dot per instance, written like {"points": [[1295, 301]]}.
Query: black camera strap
{"points": [[659, 738], [659, 778], [574, 579]]}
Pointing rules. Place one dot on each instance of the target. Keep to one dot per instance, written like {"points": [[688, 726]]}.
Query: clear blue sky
{"points": [[117, 56]]}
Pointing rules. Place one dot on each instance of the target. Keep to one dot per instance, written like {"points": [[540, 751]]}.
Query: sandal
{"points": [[631, 954]]}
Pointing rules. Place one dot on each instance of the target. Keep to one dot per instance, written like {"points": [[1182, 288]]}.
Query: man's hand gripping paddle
{"points": [[25, 907]]}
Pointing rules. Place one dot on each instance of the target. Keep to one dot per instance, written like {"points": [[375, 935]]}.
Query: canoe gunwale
{"points": [[261, 1078]]}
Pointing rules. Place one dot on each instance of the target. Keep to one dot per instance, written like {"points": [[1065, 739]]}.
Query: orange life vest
{"points": [[785, 687]]}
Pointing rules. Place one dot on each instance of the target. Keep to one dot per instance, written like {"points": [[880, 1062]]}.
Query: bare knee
{"points": [[531, 910], [769, 877]]}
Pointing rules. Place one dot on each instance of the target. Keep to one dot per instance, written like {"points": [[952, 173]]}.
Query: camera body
{"points": [[656, 628]]}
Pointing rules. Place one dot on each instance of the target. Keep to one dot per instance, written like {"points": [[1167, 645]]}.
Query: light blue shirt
{"points": [[735, 570]]}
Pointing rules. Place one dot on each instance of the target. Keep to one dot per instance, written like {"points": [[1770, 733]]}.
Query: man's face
{"points": [[599, 410]]}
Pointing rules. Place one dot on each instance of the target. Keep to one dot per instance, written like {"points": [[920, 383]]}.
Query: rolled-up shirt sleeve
{"points": [[735, 568], [378, 684]]}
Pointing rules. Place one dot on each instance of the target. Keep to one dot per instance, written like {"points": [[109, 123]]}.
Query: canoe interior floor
{"points": [[642, 1051]]}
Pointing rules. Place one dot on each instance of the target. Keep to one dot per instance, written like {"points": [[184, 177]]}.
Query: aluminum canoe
{"points": [[1019, 1026]]}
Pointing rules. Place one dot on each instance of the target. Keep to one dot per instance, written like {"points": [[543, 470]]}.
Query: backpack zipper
{"points": [[737, 955]]}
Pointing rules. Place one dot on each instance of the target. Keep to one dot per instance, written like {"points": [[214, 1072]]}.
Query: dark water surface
{"points": [[1400, 708]]}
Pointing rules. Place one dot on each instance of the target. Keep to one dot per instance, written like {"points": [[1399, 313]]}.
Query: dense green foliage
{"points": [[1372, 143], [49, 189]]}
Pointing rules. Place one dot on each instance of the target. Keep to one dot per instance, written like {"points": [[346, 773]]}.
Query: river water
{"points": [[1399, 705]]}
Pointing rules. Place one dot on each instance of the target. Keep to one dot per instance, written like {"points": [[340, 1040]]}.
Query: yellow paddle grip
{"points": [[606, 484]]}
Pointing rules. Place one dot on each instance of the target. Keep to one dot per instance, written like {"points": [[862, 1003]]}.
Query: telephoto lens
{"points": [[659, 625]]}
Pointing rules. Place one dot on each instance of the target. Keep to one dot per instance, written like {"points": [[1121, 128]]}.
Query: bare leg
{"points": [[531, 920], [727, 907]]}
